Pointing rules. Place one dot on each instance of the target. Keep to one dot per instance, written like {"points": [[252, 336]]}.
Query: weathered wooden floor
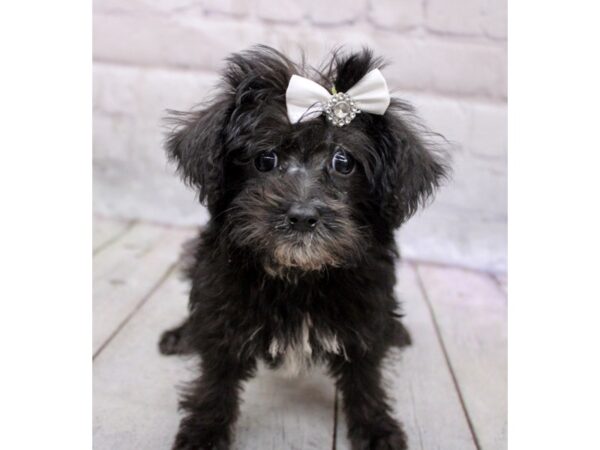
{"points": [[449, 389]]}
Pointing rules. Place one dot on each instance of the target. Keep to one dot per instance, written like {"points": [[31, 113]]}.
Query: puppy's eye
{"points": [[342, 162], [266, 161]]}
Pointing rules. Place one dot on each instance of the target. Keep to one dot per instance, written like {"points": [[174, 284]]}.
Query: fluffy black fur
{"points": [[263, 290]]}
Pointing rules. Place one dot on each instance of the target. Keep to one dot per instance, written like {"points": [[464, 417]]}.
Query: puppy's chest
{"points": [[297, 349]]}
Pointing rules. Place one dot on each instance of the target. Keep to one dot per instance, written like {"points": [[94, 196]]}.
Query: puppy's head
{"points": [[307, 196]]}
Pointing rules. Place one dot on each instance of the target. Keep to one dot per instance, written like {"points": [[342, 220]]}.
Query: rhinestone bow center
{"points": [[340, 109]]}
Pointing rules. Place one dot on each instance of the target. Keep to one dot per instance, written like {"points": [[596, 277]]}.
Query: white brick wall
{"points": [[448, 58]]}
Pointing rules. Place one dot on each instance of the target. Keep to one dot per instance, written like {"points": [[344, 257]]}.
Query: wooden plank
{"points": [[471, 312], [287, 413], [129, 248], [419, 382], [107, 230], [135, 399], [127, 272]]}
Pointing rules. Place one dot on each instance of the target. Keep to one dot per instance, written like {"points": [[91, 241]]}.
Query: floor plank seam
{"points": [[115, 238], [417, 425], [498, 283], [450, 265], [335, 419], [137, 307], [447, 358]]}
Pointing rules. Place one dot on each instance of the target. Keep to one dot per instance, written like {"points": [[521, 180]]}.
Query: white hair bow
{"points": [[306, 99]]}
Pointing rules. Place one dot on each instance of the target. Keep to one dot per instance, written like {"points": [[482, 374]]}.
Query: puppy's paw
{"points": [[394, 440], [170, 342], [189, 438]]}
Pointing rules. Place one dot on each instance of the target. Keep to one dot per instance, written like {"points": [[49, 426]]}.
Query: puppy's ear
{"points": [[412, 168], [252, 91], [197, 146], [408, 169]]}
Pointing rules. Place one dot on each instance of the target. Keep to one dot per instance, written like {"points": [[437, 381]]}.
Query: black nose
{"points": [[302, 217]]}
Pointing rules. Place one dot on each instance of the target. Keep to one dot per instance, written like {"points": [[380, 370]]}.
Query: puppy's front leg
{"points": [[212, 404], [370, 424]]}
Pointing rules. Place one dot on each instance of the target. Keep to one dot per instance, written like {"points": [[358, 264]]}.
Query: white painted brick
{"points": [[495, 18], [468, 17], [144, 6], [186, 41], [231, 7], [111, 137], [129, 141], [464, 239], [487, 136], [149, 92], [408, 67], [132, 192], [416, 64], [478, 186], [477, 144], [195, 42], [319, 41], [466, 224], [130, 127], [458, 16], [396, 15], [280, 11], [112, 89], [468, 70], [335, 12], [445, 67], [446, 117]]}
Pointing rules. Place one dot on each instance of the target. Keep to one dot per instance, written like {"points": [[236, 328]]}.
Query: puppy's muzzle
{"points": [[303, 217]]}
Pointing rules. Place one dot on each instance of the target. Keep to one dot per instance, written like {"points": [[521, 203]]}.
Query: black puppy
{"points": [[296, 264]]}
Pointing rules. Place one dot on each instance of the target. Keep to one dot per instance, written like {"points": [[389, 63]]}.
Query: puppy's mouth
{"points": [[316, 250], [306, 252]]}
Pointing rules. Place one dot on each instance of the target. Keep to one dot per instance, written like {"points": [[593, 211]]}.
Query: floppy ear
{"points": [[411, 168], [203, 140], [407, 169], [197, 146]]}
